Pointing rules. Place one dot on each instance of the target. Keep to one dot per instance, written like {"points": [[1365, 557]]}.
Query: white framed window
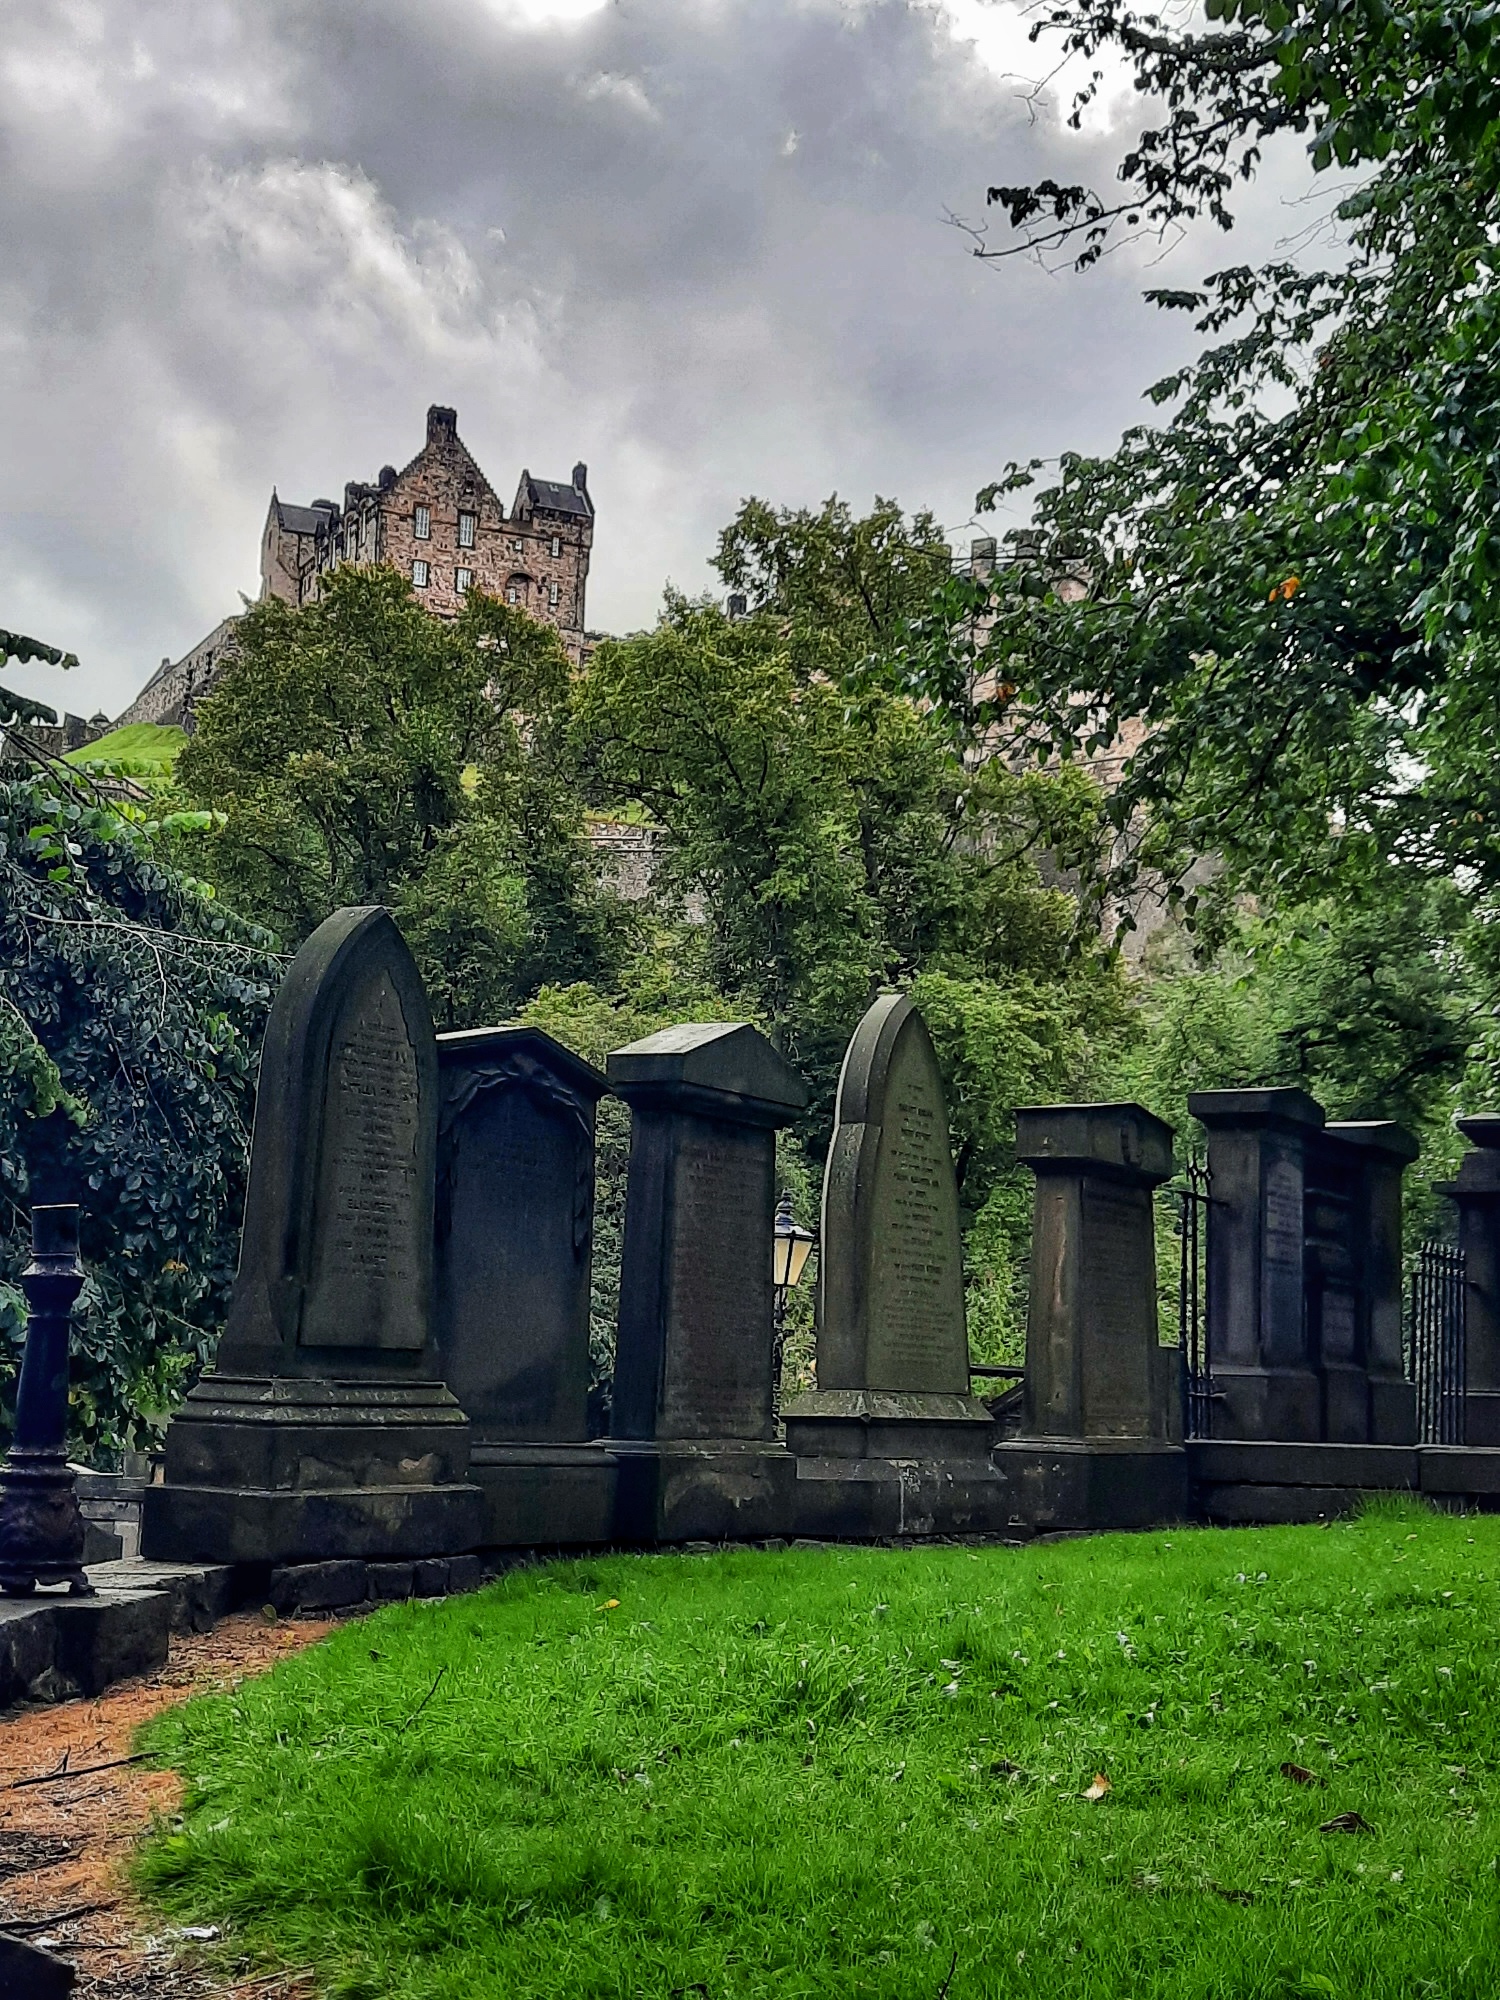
{"points": [[462, 579], [552, 595], [557, 545], [421, 525], [467, 523], [512, 595], [419, 574], [517, 547]]}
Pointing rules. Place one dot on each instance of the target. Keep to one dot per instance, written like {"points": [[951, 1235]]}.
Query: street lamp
{"points": [[791, 1246]]}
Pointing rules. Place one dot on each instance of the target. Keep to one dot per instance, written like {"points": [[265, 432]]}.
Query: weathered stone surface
{"points": [[1094, 1367], [1257, 1329], [515, 1226], [545, 1495], [1476, 1195], [389, 1582], [890, 1264], [324, 1416], [105, 1638], [27, 1972], [893, 1349], [693, 1357], [324, 1586], [1057, 1484]]}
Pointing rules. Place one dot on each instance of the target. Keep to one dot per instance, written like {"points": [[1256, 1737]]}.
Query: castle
{"points": [[441, 523]]}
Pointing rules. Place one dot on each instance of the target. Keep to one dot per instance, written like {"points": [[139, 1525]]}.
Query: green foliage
{"points": [[359, 751], [19, 708], [131, 1011], [842, 1772]]}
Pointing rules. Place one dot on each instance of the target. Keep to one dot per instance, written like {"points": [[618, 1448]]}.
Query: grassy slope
{"points": [[789, 1773], [150, 744]]}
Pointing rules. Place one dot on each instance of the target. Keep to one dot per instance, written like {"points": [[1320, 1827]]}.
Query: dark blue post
{"points": [[41, 1528]]}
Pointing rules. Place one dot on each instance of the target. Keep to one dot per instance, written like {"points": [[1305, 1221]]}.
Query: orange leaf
{"points": [[1099, 1787]]}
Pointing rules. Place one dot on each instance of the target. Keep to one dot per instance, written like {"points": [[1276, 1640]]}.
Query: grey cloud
{"points": [[698, 243]]}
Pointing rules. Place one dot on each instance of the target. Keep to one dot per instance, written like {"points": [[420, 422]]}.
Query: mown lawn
{"points": [[850, 1771]]}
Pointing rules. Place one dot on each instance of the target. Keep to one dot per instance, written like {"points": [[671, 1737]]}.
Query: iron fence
{"points": [[1435, 1356], [1193, 1199]]}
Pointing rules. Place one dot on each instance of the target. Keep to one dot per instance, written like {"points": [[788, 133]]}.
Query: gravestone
{"points": [[1264, 1379], [1476, 1194], [514, 1225], [1304, 1272], [324, 1428], [692, 1421], [893, 1349], [1101, 1433]]}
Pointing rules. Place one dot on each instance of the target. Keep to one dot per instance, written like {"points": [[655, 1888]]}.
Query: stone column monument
{"points": [[1263, 1370], [1101, 1435], [692, 1423], [893, 1346], [324, 1429], [515, 1237], [1476, 1193], [1366, 1396]]}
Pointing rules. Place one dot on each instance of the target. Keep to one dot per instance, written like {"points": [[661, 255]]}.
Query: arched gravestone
{"points": [[324, 1429], [515, 1231], [893, 1351]]}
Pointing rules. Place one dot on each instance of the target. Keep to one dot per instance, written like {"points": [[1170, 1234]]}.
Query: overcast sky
{"points": [[699, 244]]}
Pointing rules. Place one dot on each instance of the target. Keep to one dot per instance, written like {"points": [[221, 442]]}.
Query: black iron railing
{"points": [[1435, 1356]]}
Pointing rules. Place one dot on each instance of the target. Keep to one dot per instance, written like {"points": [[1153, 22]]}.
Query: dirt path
{"points": [[62, 1843]]}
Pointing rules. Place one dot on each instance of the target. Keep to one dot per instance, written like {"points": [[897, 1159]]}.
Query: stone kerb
{"points": [[324, 1429], [892, 1345], [693, 1392]]}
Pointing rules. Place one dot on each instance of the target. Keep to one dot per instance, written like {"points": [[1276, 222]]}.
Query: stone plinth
{"points": [[893, 1351], [325, 1428], [1095, 1366], [1366, 1396], [692, 1421], [1264, 1374], [1476, 1194]]}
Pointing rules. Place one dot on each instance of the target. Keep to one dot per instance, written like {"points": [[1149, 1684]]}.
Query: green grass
{"points": [[850, 1771], [147, 748]]}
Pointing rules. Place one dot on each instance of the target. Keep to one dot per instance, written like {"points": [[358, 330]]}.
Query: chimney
{"points": [[387, 478], [442, 425], [580, 477], [982, 552]]}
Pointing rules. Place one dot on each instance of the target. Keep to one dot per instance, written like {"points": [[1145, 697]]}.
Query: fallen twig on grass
{"points": [[423, 1702], [942, 1992], [56, 1917]]}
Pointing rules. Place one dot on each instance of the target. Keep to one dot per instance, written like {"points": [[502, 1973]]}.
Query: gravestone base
{"points": [[1266, 1403], [716, 1489], [1482, 1416], [545, 1495], [1346, 1403], [1393, 1410], [878, 1499], [289, 1469], [885, 1424], [1093, 1483]]}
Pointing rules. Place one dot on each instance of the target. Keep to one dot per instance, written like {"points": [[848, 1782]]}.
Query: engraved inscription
{"points": [[1284, 1215], [1120, 1330], [719, 1378], [917, 1338], [366, 1257]]}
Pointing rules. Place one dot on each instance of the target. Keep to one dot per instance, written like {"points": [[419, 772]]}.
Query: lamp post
{"points": [[791, 1246], [41, 1527]]}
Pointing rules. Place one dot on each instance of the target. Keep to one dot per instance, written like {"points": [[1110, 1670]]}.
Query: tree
{"points": [[1291, 580], [359, 750], [131, 1012]]}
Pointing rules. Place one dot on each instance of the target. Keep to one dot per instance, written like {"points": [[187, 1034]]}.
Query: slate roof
{"points": [[302, 520], [556, 497]]}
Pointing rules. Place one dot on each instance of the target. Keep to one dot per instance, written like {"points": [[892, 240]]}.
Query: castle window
{"points": [[552, 595], [422, 526], [518, 548], [557, 545], [512, 595], [463, 578], [466, 526], [419, 574]]}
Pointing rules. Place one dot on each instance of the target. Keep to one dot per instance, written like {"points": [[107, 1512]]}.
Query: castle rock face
{"points": [[441, 524]]}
